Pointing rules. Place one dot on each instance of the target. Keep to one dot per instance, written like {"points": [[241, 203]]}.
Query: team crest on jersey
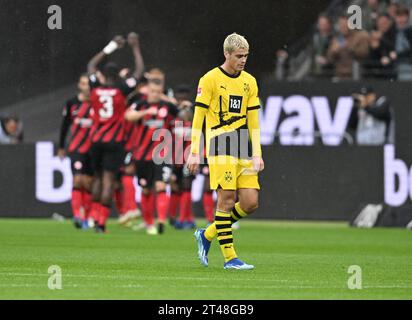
{"points": [[199, 92], [163, 112], [228, 176], [235, 104], [246, 87]]}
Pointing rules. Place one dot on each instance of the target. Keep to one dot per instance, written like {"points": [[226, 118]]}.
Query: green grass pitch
{"points": [[293, 260]]}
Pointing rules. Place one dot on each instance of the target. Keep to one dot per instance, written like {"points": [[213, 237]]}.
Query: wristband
{"points": [[110, 48]]}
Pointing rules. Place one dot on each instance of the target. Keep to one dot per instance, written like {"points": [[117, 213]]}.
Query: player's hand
{"points": [[61, 153], [133, 39], [193, 163], [258, 164], [120, 40]]}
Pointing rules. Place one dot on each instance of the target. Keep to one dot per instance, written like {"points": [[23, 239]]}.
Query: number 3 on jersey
{"points": [[107, 111]]}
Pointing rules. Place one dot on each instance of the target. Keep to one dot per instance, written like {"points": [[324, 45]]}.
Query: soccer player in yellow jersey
{"points": [[227, 98]]}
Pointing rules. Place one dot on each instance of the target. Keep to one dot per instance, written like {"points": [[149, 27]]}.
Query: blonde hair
{"points": [[235, 41]]}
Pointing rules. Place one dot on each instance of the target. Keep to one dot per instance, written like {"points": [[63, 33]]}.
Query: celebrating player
{"points": [[77, 117], [153, 115], [228, 98], [125, 194], [108, 98]]}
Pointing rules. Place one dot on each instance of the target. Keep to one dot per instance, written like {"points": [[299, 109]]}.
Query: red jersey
{"points": [[131, 128], [161, 124], [109, 105], [78, 118]]}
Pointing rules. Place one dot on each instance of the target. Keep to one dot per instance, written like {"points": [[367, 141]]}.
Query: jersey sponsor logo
{"points": [[235, 104], [199, 92], [153, 123], [84, 123]]}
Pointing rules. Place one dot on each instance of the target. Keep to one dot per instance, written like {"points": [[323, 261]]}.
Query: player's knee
{"points": [[87, 185], [106, 200], [251, 206], [226, 204], [77, 182]]}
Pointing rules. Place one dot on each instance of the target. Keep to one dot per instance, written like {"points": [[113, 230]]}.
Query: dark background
{"points": [[183, 37]]}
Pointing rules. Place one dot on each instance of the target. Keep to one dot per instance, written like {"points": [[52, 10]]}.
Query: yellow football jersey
{"points": [[227, 99]]}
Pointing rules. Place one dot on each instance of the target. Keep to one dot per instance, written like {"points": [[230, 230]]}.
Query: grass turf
{"points": [[293, 260]]}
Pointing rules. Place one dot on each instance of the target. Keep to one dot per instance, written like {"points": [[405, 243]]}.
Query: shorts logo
{"points": [[78, 165], [228, 176], [235, 104]]}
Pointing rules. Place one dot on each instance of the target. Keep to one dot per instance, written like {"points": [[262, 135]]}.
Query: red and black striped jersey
{"points": [[145, 144], [109, 105], [78, 117], [182, 131], [132, 128]]}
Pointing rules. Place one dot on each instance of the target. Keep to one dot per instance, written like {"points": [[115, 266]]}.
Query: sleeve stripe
{"points": [[202, 105], [253, 108]]}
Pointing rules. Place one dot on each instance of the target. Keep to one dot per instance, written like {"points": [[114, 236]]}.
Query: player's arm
{"points": [[254, 127], [112, 46], [133, 41], [204, 96], [134, 115], [64, 128]]}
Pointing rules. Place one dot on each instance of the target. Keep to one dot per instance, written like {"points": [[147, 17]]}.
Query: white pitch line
{"points": [[137, 277]]}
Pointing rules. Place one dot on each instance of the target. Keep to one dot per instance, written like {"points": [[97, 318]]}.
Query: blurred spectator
{"points": [[371, 9], [402, 55], [371, 118], [320, 44], [11, 130], [391, 9], [382, 42], [347, 47]]}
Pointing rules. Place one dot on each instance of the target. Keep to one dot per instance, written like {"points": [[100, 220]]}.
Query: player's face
{"points": [[237, 59], [83, 85], [154, 93]]}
